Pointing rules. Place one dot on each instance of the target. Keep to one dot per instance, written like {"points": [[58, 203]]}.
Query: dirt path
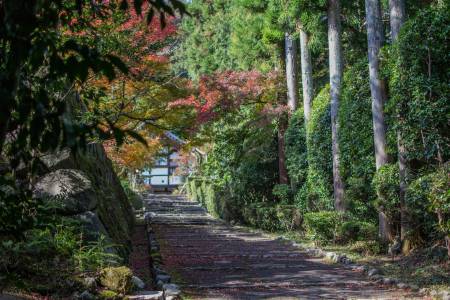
{"points": [[212, 260]]}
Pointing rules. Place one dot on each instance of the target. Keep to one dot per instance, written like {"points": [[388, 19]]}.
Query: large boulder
{"points": [[118, 279], [63, 159], [69, 190]]}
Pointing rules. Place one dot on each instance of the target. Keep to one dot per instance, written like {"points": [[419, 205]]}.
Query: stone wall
{"points": [[84, 185]]}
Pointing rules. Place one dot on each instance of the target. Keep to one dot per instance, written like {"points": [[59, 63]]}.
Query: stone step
{"points": [[232, 255], [184, 222], [297, 265], [287, 283]]}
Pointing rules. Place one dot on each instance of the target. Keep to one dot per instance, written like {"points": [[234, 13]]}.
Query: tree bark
{"points": [[307, 80], [291, 71], [397, 18], [335, 60], [375, 41]]}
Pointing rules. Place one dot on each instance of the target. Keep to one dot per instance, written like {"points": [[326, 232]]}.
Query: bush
{"points": [[367, 248], [282, 192], [316, 193], [428, 202], [51, 256], [356, 141], [417, 66], [439, 198], [289, 217], [322, 226], [387, 186], [203, 192], [350, 231], [271, 217], [295, 149]]}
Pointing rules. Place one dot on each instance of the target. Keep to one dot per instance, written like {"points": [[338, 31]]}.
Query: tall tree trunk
{"points": [[397, 18], [307, 80], [335, 60], [291, 71], [375, 41]]}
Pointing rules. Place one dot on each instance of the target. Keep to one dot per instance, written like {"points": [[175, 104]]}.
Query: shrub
{"points": [[322, 226], [386, 184], [267, 217], [428, 200], [203, 191], [356, 141], [367, 248], [282, 192], [51, 256], [271, 217], [417, 67], [295, 149], [353, 230], [316, 193], [439, 198], [289, 217]]}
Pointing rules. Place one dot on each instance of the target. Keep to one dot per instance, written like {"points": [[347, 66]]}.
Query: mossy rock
{"points": [[108, 295], [118, 279]]}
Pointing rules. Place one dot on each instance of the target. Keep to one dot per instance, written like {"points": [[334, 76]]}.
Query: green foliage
{"points": [[271, 217], [265, 215], [387, 186], [439, 197], [417, 66], [353, 230], [18, 211], [44, 62], [429, 201], [355, 123], [242, 161], [322, 226], [282, 192], [368, 247], [289, 217], [222, 36], [316, 192], [206, 193], [336, 227], [295, 149], [50, 255]]}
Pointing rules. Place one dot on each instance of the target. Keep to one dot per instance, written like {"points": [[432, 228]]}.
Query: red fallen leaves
{"points": [[227, 91]]}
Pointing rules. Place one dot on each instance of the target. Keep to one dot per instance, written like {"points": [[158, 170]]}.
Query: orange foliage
{"points": [[133, 155]]}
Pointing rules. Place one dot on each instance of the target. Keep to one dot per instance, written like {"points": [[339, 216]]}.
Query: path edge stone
{"points": [[161, 278]]}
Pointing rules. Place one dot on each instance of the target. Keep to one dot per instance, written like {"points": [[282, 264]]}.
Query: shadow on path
{"points": [[212, 260]]}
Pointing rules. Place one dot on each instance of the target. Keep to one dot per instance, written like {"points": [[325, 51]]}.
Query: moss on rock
{"points": [[118, 279]]}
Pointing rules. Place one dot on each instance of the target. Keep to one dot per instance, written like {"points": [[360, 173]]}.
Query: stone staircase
{"points": [[210, 259]]}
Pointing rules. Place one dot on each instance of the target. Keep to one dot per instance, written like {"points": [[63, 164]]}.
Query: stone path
{"points": [[213, 260]]}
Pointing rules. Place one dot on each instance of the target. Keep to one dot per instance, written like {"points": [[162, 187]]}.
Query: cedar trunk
{"points": [[291, 71], [397, 18], [375, 41], [335, 60], [307, 80]]}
